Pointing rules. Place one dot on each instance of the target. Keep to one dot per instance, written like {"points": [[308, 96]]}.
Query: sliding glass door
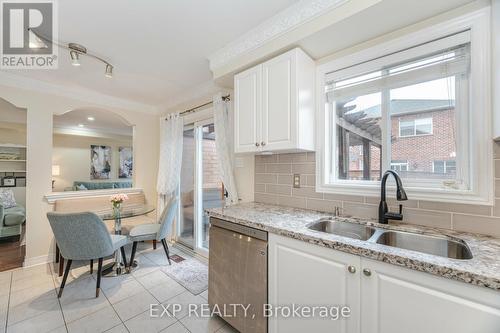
{"points": [[200, 186], [186, 221]]}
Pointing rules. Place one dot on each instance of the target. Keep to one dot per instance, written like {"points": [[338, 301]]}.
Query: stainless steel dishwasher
{"points": [[238, 274]]}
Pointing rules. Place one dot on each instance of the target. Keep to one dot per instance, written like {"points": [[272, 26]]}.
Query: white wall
{"points": [[41, 107], [72, 154]]}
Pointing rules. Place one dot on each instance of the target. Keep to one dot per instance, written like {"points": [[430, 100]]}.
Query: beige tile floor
{"points": [[29, 303]]}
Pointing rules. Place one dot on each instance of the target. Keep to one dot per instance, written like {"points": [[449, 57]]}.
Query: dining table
{"points": [[117, 266]]}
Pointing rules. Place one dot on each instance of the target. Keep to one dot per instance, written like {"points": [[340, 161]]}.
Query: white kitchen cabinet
{"points": [[303, 274], [248, 101], [495, 41], [383, 298], [274, 106], [396, 299]]}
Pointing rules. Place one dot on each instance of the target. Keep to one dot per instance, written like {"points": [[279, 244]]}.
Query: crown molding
{"points": [[283, 22], [81, 94]]}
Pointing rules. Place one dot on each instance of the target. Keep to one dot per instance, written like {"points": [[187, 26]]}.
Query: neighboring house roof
{"points": [[408, 106], [365, 122]]}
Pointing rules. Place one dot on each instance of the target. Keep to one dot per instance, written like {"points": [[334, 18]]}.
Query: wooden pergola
{"points": [[356, 129]]}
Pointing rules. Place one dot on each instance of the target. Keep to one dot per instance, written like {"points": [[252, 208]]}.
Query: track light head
{"points": [[109, 71], [75, 58]]}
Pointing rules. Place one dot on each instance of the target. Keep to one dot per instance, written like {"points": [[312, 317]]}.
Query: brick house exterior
{"points": [[429, 155]]}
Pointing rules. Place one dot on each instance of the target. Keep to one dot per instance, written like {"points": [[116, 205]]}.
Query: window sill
{"points": [[54, 196], [413, 136], [427, 194]]}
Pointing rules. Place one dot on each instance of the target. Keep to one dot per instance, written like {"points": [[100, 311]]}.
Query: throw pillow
{"points": [[7, 199]]}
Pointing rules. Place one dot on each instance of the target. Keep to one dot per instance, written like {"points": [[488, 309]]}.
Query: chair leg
{"points": [[66, 272], [154, 244], [165, 247], [61, 265], [91, 266], [99, 273], [124, 257], [57, 253], [132, 256]]}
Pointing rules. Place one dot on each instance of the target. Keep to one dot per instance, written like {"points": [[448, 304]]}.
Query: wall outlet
{"points": [[296, 180]]}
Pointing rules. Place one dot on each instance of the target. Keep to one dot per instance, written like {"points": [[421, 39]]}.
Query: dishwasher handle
{"points": [[238, 228]]}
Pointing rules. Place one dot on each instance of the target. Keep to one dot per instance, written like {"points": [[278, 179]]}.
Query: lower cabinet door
{"points": [[396, 299], [313, 276]]}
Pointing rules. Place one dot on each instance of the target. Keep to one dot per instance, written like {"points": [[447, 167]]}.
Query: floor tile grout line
{"points": [[54, 279], [37, 284], [180, 322], [40, 314], [66, 323], [123, 324], [58, 299], [121, 321], [134, 277], [147, 290], [8, 303]]}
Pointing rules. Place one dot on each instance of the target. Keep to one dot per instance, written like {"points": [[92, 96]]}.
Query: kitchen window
{"points": [[418, 110]]}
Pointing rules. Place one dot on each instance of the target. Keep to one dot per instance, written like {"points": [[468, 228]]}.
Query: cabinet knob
{"points": [[263, 143], [367, 272], [351, 269], [257, 144]]}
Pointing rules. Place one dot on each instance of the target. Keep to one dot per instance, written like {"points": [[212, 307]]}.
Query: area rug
{"points": [[190, 273]]}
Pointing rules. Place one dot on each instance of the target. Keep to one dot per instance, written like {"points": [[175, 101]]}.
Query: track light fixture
{"points": [[109, 71], [75, 51], [75, 58]]}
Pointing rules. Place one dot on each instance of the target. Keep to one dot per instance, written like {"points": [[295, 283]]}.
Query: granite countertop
{"points": [[482, 270]]}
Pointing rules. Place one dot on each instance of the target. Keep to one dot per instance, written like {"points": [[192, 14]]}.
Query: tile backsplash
{"points": [[274, 179]]}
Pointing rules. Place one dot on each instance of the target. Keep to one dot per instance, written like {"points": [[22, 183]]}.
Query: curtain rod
{"points": [[224, 98]]}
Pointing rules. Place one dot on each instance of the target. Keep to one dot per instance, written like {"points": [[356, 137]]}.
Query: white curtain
{"points": [[169, 166], [224, 145]]}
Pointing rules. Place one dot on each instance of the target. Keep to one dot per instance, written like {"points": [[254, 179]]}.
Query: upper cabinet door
{"points": [[279, 117], [274, 105], [247, 110]]}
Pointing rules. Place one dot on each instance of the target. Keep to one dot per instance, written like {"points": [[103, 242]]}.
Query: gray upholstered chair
{"points": [[84, 236], [155, 231]]}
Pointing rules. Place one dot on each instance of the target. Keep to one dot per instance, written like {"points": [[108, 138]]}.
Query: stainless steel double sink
{"points": [[436, 245]]}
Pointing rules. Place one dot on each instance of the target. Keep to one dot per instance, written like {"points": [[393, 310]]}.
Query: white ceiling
{"points": [[104, 122], [363, 24], [159, 48], [382, 18]]}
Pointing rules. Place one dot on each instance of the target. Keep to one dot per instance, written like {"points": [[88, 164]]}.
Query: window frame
{"points": [[415, 127], [479, 145], [399, 164], [445, 166]]}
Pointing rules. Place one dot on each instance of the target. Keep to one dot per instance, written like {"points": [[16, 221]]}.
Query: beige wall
{"points": [[273, 185], [72, 154], [41, 107], [12, 133]]}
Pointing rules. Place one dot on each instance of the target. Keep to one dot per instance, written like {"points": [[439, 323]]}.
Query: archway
{"points": [[92, 150], [13, 157]]}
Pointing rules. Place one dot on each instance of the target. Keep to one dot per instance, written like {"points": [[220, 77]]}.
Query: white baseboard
{"points": [[40, 260]]}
